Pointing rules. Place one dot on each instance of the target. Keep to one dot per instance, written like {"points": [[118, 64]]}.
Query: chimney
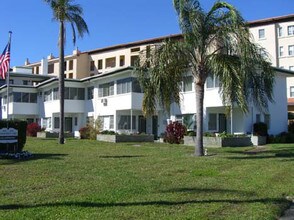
{"points": [[27, 62], [50, 56], [76, 51], [44, 67]]}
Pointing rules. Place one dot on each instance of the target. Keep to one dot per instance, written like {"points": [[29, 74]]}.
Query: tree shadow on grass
{"points": [[281, 202], [263, 153], [120, 156], [35, 156], [208, 190]]}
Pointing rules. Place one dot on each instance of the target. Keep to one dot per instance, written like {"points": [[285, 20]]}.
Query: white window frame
{"points": [[291, 50], [290, 30], [280, 31], [291, 91], [261, 33], [281, 51]]}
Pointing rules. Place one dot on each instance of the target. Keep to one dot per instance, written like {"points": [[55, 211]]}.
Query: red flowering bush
{"points": [[174, 133], [32, 129]]}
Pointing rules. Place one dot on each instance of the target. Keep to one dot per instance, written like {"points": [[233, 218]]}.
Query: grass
{"points": [[94, 180]]}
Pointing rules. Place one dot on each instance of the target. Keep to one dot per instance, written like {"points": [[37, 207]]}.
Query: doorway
{"points": [[155, 126], [222, 123], [142, 124], [68, 124]]}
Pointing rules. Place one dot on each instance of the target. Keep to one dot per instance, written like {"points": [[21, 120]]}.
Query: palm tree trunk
{"points": [[61, 82], [199, 89]]}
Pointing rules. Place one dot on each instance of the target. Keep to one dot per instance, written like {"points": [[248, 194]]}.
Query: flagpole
{"points": [[8, 74]]}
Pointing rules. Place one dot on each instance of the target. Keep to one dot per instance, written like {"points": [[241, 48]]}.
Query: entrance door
{"points": [[222, 123], [155, 126], [142, 124], [68, 124]]}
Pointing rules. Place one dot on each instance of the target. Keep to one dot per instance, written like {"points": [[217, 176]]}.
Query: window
{"points": [[25, 82], [37, 69], [46, 123], [136, 49], [33, 97], [135, 60], [70, 75], [189, 121], [70, 66], [17, 97], [291, 30], [281, 51], [107, 122], [92, 65], [51, 68], [291, 68], [106, 89], [100, 64], [122, 60], [212, 118], [257, 118], [136, 86], [291, 50], [267, 120], [292, 91], [65, 65], [187, 84], [212, 81], [280, 31], [47, 95], [90, 92], [90, 120], [125, 122], [56, 122], [124, 85], [74, 93], [261, 33], [76, 121], [30, 120], [110, 62], [55, 94], [25, 97], [111, 122]]}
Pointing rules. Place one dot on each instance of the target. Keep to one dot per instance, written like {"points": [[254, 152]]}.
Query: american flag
{"points": [[4, 61]]}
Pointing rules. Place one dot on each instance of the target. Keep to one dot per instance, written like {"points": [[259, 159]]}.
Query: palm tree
{"points": [[216, 42], [65, 11]]}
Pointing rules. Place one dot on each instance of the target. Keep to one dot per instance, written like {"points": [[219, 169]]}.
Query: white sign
{"points": [[8, 135]]}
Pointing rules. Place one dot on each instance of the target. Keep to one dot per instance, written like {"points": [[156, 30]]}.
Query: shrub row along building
{"points": [[102, 83]]}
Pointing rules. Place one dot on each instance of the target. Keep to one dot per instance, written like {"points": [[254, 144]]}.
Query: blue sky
{"points": [[110, 22]]}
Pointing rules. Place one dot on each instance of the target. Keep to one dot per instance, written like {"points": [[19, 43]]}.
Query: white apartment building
{"points": [[276, 35], [101, 83]]}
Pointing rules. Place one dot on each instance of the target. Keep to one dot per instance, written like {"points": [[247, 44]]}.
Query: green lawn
{"points": [[93, 180]]}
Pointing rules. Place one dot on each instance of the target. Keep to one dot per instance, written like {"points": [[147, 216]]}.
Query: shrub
{"points": [[91, 130], [260, 129], [32, 129], [191, 133], [291, 127], [174, 132], [209, 134], [21, 126], [108, 132]]}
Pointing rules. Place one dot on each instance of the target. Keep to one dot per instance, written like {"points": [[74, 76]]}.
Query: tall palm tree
{"points": [[216, 42], [65, 11]]}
